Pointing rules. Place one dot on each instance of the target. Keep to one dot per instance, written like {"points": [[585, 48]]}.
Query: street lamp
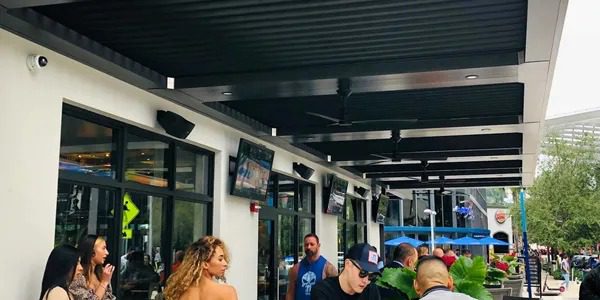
{"points": [[431, 214]]}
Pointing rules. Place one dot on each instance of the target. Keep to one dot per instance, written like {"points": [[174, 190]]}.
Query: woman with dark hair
{"points": [[94, 283], [62, 266]]}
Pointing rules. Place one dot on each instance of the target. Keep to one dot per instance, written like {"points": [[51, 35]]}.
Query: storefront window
{"points": [[352, 226], [287, 193], [87, 148], [134, 218], [83, 210], [142, 263], [146, 161], [192, 171]]}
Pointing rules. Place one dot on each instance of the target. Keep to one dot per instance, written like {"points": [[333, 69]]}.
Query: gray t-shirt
{"points": [[445, 295]]}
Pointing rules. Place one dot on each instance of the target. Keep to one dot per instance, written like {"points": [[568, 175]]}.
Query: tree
{"points": [[563, 204]]}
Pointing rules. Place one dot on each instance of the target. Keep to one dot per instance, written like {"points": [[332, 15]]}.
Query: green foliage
{"points": [[468, 276], [494, 276], [564, 200], [465, 269], [400, 279], [474, 290]]}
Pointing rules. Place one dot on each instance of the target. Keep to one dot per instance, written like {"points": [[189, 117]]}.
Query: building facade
{"points": [[179, 188]]}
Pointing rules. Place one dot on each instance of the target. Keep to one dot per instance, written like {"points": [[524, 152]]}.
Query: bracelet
{"points": [[103, 286]]}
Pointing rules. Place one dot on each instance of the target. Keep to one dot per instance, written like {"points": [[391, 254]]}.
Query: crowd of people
{"points": [[82, 273]]}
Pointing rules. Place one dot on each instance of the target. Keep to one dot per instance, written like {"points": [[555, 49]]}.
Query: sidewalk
{"points": [[571, 294]]}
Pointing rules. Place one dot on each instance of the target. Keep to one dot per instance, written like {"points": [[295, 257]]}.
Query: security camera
{"points": [[35, 62]]}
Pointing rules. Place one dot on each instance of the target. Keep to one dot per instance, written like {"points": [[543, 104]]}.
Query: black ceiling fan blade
{"points": [[385, 121], [381, 156], [323, 117]]}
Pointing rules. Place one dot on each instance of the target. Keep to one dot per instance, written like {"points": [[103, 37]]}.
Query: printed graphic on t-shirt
{"points": [[309, 279]]}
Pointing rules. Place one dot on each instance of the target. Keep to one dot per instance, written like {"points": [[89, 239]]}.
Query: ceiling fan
{"points": [[344, 91], [395, 157]]}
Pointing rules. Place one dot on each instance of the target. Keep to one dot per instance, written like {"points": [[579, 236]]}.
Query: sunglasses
{"points": [[362, 273]]}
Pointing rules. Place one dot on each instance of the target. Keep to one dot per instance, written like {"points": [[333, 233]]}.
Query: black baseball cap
{"points": [[365, 255]]}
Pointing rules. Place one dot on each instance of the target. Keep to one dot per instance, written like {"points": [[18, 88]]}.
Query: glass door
{"points": [[266, 245]]}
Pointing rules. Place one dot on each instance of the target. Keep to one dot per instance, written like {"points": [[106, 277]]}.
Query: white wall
{"points": [[494, 226], [30, 130]]}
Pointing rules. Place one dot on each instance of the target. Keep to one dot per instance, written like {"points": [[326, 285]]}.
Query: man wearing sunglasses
{"points": [[360, 268]]}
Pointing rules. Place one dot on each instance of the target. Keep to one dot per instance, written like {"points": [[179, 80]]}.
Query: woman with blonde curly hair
{"points": [[204, 261]]}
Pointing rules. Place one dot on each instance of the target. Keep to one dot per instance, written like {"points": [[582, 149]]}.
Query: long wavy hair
{"points": [[60, 269], [86, 250], [189, 272]]}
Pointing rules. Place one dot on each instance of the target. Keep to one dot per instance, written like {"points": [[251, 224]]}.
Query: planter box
{"points": [[499, 293], [516, 285]]}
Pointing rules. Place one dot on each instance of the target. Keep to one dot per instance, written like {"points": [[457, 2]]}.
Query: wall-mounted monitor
{"points": [[335, 196], [382, 207], [252, 170]]}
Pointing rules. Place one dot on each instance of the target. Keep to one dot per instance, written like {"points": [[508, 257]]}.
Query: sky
{"points": [[576, 82]]}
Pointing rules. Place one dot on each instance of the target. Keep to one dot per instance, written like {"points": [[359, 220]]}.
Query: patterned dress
{"points": [[80, 290]]}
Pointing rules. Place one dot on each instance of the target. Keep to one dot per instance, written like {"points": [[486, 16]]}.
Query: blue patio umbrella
{"points": [[468, 241], [403, 239], [492, 241], [442, 241]]}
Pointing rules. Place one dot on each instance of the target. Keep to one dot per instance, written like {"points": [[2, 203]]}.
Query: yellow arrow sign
{"points": [[130, 211]]}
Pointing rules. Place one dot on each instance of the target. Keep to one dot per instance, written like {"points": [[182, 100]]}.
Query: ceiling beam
{"points": [[10, 4], [440, 167], [406, 133], [352, 159], [265, 89], [446, 173], [469, 182]]}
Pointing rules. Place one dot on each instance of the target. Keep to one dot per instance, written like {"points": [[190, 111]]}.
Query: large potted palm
{"points": [[468, 276]]}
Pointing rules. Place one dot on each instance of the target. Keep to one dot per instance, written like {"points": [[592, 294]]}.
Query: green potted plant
{"points": [[468, 276], [494, 277]]}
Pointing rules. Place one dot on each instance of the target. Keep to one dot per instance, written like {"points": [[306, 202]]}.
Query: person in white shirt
{"points": [[433, 281]]}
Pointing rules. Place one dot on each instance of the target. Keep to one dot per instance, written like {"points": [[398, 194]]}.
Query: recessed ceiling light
{"points": [[472, 76], [227, 93]]}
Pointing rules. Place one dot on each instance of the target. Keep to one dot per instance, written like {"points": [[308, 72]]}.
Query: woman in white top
{"points": [[62, 266]]}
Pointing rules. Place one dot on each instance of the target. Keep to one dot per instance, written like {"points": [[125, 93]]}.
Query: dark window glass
{"points": [[422, 204], [271, 189], [192, 171], [350, 207], [87, 148], [83, 210], [147, 161], [341, 242], [361, 234], [191, 221], [305, 227], [142, 265], [392, 217], [306, 198], [409, 211], [287, 193], [285, 253], [448, 209], [350, 235], [439, 209]]}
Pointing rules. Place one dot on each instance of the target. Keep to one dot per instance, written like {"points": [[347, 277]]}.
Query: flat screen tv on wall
{"points": [[252, 170], [382, 207], [335, 196]]}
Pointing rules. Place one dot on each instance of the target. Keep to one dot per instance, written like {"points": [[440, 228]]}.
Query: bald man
{"points": [[433, 281], [439, 252]]}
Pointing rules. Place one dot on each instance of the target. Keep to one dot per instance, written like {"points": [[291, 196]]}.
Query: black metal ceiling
{"points": [[211, 44], [432, 108], [191, 38]]}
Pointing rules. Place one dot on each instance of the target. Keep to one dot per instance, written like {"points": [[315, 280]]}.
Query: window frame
{"points": [[119, 185]]}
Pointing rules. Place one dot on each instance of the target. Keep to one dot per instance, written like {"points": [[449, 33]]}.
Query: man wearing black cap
{"points": [[360, 267]]}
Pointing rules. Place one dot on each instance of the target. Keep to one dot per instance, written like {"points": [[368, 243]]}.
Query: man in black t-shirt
{"points": [[360, 267]]}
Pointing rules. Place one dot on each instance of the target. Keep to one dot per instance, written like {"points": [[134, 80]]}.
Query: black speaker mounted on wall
{"points": [[302, 170], [174, 124], [361, 191]]}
